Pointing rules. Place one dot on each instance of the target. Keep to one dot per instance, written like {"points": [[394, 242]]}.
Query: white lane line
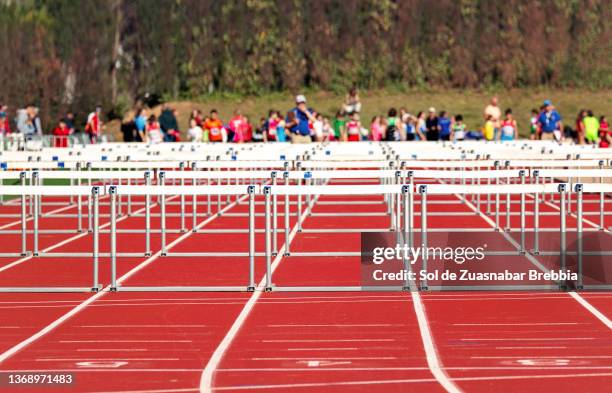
{"points": [[50, 327], [529, 339], [504, 348], [395, 381], [522, 324], [545, 357], [340, 325], [111, 349], [598, 314], [141, 326], [331, 358], [103, 360], [431, 353], [322, 349], [124, 341], [206, 379], [331, 341], [576, 296]]}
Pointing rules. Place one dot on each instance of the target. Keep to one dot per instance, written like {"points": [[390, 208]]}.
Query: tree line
{"points": [[71, 55]]}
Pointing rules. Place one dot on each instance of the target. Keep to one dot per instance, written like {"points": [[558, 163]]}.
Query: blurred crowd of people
{"points": [[302, 124]]}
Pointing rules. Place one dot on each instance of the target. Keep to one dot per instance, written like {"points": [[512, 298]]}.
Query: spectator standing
{"points": [[261, 131], [549, 122], [168, 123], [432, 126], [393, 126], [376, 130], [195, 132], [489, 129], [318, 127], [421, 127], [5, 124], [69, 120], [458, 130], [534, 132], [140, 123], [271, 126], [591, 128], [154, 134], [353, 129], [338, 125], [605, 135], [93, 127], [213, 126], [509, 127], [281, 129], [26, 122], [494, 111], [444, 124], [299, 125], [60, 134], [580, 126], [352, 103]]}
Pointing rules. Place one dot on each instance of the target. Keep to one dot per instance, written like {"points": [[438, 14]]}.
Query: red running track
{"points": [[314, 342]]}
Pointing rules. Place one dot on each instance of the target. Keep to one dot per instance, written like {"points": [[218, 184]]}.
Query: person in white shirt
{"points": [[195, 132]]}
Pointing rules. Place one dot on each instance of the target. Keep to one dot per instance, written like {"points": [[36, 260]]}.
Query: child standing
{"points": [[353, 129], [488, 130], [509, 129], [458, 129]]}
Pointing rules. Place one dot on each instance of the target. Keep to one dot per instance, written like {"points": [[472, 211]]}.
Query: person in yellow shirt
{"points": [[488, 130], [591, 128]]}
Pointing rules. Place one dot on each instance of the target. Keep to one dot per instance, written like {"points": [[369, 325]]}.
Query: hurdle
{"points": [[317, 190], [598, 267], [38, 191], [247, 191], [424, 190]]}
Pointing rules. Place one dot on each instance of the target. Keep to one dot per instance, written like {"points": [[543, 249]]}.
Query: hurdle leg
{"points": [[251, 286], [287, 217], [95, 235], [268, 241], [113, 237], [579, 233]]}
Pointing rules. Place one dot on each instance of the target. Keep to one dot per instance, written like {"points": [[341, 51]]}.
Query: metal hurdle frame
{"points": [[161, 191], [521, 189], [580, 189], [34, 192], [318, 190]]}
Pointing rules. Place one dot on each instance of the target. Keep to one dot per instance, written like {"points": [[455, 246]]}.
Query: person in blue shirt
{"points": [[444, 122], [299, 125], [550, 124], [140, 122]]}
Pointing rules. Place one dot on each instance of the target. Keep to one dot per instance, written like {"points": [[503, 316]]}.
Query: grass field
{"points": [[470, 103]]}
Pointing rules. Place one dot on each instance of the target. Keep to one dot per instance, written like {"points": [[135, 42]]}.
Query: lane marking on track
{"points": [[206, 378], [545, 357], [100, 359], [504, 348], [322, 349], [140, 326], [124, 341], [324, 340], [340, 325], [431, 353], [529, 339], [50, 327], [522, 324], [331, 358]]}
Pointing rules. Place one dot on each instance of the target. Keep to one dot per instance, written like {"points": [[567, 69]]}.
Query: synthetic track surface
{"points": [[303, 342]]}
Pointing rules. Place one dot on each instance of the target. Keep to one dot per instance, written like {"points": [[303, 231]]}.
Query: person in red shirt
{"points": [[5, 124], [94, 125], [214, 127], [238, 126], [60, 134], [605, 136]]}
